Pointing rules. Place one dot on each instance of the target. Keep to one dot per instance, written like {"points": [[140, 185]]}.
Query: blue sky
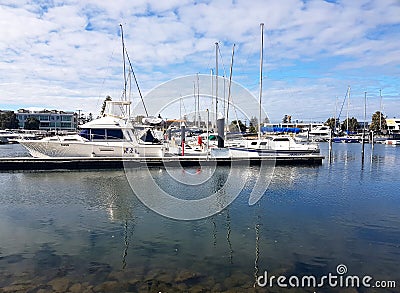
{"points": [[67, 54]]}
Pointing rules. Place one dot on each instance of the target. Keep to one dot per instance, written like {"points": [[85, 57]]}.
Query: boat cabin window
{"points": [[108, 134], [281, 139], [253, 143], [70, 139], [114, 134], [263, 143]]}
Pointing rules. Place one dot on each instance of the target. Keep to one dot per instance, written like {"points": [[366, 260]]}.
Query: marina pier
{"points": [[97, 163]]}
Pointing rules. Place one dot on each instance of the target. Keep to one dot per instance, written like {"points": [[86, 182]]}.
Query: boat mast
{"points": [[380, 111], [335, 116], [216, 83], [212, 91], [195, 104], [198, 100], [348, 107], [261, 78], [123, 60], [133, 73], [229, 87]]}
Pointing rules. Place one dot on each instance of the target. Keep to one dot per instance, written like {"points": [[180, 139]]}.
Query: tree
{"points": [[353, 125], [331, 123], [103, 107], [32, 123], [253, 125], [287, 119], [377, 120], [233, 127], [8, 120]]}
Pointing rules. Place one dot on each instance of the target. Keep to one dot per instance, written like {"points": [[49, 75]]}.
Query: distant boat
{"points": [[392, 142], [8, 136], [317, 134], [279, 144], [347, 139]]}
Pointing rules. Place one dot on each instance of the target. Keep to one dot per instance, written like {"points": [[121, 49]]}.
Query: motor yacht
{"points": [[112, 135]]}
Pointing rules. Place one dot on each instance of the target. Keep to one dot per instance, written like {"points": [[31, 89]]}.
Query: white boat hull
{"points": [[50, 149], [274, 145], [392, 142]]}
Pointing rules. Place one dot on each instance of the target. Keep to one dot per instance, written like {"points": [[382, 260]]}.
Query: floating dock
{"points": [[100, 163]]}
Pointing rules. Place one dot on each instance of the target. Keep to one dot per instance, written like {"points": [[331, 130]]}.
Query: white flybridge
{"points": [[112, 135]]}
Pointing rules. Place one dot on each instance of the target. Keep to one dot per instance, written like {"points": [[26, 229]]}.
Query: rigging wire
{"points": [[137, 84]]}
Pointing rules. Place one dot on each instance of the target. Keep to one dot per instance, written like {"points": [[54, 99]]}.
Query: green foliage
{"points": [[233, 127], [331, 123], [377, 120], [353, 125], [32, 123], [253, 128], [103, 107], [8, 120]]}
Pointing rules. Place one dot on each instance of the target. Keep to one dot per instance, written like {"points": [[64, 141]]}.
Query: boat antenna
{"points": [[261, 78], [134, 77]]}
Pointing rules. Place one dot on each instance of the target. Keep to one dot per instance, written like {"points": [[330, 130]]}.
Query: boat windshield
{"points": [[108, 134]]}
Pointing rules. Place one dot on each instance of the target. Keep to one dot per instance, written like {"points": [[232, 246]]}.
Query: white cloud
{"points": [[68, 54]]}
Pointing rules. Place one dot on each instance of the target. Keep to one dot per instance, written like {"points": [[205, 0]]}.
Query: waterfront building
{"points": [[49, 119], [393, 125]]}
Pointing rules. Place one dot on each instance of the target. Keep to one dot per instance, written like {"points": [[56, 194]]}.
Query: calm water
{"points": [[88, 231]]}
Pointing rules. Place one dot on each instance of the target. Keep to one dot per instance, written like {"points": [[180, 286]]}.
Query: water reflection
{"points": [[88, 228], [257, 251], [228, 235]]}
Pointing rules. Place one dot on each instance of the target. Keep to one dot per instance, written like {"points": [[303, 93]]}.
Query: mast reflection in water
{"points": [[89, 231]]}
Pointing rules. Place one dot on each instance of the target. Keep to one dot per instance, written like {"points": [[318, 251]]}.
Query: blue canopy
{"points": [[281, 129]]}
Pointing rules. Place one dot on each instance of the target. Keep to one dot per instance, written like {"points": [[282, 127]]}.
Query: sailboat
{"points": [[282, 144], [347, 138], [112, 135]]}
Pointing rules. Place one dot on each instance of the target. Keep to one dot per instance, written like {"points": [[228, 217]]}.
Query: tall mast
{"points": [[123, 58], [348, 107], [365, 111], [261, 78], [212, 90], [216, 83], [198, 100], [335, 116], [229, 85], [380, 111], [195, 104]]}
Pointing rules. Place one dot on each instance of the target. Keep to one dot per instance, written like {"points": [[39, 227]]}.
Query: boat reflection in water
{"points": [[90, 230]]}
